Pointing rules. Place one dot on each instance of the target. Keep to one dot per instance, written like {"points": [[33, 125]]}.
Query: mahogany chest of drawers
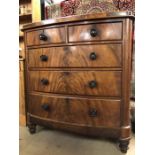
{"points": [[78, 74]]}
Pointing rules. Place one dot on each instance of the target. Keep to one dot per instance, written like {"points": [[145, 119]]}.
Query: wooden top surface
{"points": [[75, 18]]}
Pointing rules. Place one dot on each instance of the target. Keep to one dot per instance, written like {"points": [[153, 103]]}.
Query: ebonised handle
{"points": [[93, 56], [43, 57], [93, 32], [45, 107], [92, 84], [44, 81], [43, 37], [92, 112]]}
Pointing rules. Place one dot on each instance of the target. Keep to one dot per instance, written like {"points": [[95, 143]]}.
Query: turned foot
{"points": [[32, 128], [124, 145]]}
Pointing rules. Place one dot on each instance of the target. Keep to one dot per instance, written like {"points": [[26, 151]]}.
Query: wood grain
{"points": [[22, 117], [105, 31], [76, 110], [64, 99], [126, 76], [107, 55], [32, 37], [54, 36], [77, 82], [89, 130]]}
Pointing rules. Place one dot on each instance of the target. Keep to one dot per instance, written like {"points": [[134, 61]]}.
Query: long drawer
{"points": [[95, 32], [82, 111], [53, 35], [105, 55], [98, 83]]}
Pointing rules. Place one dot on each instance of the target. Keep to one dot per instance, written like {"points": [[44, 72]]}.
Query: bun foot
{"points": [[124, 145], [32, 128]]}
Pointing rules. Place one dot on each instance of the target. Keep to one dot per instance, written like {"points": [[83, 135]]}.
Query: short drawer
{"points": [[96, 83], [46, 36], [107, 55], [95, 32], [81, 111]]}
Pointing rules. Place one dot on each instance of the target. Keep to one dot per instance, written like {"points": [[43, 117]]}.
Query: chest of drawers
{"points": [[78, 74]]}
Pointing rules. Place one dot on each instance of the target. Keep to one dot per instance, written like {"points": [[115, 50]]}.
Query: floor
{"points": [[53, 142]]}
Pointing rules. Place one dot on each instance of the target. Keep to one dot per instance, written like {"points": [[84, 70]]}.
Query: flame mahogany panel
{"points": [[54, 35], [108, 83], [76, 110], [107, 55], [105, 31]]}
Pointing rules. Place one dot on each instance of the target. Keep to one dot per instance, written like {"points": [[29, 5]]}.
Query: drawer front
{"points": [[95, 32], [77, 56], [94, 112], [99, 83], [32, 38], [46, 36]]}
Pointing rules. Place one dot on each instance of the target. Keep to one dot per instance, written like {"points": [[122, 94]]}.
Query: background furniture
{"points": [[78, 73], [25, 17], [29, 11]]}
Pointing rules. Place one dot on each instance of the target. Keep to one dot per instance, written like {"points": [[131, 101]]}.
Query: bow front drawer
{"points": [[46, 36], [95, 32], [82, 111], [109, 55], [97, 83]]}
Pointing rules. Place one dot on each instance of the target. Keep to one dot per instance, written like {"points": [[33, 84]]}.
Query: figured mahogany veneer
{"points": [[78, 73], [102, 31], [53, 36], [108, 83], [82, 111], [108, 55]]}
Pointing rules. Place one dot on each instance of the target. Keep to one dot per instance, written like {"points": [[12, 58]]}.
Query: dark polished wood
{"points": [[124, 145], [32, 127], [108, 83], [108, 55], [84, 32], [76, 110], [54, 35], [76, 128], [78, 73], [33, 37]]}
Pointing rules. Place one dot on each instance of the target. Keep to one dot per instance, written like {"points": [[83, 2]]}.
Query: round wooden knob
{"points": [[92, 112], [93, 84], [93, 56], [43, 37], [93, 32], [45, 107], [44, 81], [43, 57]]}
